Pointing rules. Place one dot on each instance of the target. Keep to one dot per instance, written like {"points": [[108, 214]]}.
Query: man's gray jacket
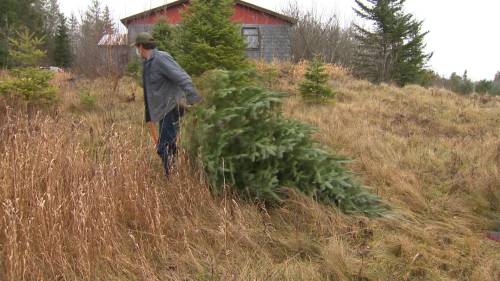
{"points": [[165, 83]]}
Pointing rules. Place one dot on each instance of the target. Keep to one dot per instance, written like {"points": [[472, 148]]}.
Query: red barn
{"points": [[267, 33]]}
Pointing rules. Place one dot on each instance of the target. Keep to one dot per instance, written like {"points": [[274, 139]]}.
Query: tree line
{"points": [[67, 41], [387, 46], [463, 85], [43, 19]]}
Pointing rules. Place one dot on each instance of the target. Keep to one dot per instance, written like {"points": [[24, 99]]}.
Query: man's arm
{"points": [[173, 71]]}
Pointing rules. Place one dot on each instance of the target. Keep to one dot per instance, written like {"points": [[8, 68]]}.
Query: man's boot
{"points": [[493, 235]]}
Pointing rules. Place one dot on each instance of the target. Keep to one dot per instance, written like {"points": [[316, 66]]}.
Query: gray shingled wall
{"points": [[274, 40], [135, 29]]}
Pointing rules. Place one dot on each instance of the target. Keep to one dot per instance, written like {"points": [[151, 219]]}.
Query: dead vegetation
{"points": [[83, 197]]}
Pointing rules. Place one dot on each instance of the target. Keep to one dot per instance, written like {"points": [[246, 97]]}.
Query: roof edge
{"points": [[162, 7], [273, 13], [178, 2]]}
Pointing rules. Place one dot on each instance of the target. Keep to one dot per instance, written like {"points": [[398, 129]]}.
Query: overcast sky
{"points": [[463, 34]]}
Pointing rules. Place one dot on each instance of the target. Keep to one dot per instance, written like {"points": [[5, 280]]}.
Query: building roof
{"points": [[178, 2], [113, 40]]}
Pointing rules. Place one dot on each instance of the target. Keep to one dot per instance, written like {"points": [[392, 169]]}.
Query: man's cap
{"points": [[143, 38]]}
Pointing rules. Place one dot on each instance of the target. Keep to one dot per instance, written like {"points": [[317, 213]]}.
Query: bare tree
{"points": [[319, 34], [99, 48]]}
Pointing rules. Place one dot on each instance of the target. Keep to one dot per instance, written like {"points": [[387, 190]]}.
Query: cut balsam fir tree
{"points": [[242, 140], [314, 87]]}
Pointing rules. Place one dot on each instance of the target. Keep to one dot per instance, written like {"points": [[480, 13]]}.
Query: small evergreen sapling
{"points": [[31, 85], [28, 83], [314, 88], [25, 48]]}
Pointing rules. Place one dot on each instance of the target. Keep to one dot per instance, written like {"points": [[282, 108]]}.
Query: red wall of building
{"points": [[242, 15]]}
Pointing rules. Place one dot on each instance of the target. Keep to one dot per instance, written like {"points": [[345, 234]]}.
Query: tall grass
{"points": [[82, 196]]}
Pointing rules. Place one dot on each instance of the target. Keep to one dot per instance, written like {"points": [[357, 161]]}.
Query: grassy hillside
{"points": [[83, 197]]}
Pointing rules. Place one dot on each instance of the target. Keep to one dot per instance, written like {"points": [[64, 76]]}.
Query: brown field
{"points": [[83, 197]]}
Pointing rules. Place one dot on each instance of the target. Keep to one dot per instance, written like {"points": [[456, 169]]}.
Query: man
{"points": [[168, 93]]}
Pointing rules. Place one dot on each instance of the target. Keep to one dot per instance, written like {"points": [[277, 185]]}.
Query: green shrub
{"points": [[242, 139], [86, 99], [495, 87], [269, 76], [495, 91], [461, 85], [314, 88], [31, 85], [134, 70], [484, 86]]}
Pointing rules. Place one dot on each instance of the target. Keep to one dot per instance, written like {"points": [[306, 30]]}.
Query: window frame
{"points": [[246, 36]]}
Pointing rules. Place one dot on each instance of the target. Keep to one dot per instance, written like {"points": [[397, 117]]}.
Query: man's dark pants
{"points": [[167, 146]]}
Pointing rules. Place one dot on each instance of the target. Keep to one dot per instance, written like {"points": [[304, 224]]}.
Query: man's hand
{"points": [[184, 105], [153, 133]]}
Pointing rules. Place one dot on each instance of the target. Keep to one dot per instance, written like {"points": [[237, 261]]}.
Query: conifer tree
{"points": [[16, 15], [208, 39], [467, 86], [461, 84], [107, 21], [484, 86], [25, 48], [51, 16], [393, 50], [495, 88], [164, 35], [74, 33], [314, 88], [243, 140], [62, 52], [93, 26], [51, 20], [28, 82]]}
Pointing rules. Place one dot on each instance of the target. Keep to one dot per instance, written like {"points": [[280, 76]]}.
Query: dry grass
{"points": [[83, 198]]}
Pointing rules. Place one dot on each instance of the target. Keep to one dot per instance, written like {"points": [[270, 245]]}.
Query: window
{"points": [[252, 37]]}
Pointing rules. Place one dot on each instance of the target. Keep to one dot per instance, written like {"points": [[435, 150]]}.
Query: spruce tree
{"points": [[244, 141], [51, 20], [88, 59], [74, 33], [62, 52], [393, 50], [208, 39], [25, 48], [107, 21], [28, 82], [16, 15], [51, 16], [495, 89], [467, 86], [484, 86], [314, 88], [164, 35], [461, 84]]}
